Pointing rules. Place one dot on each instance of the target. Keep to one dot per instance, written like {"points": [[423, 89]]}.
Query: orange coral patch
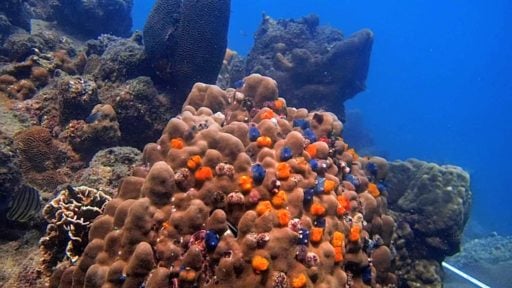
{"points": [[283, 217], [344, 203], [203, 173], [188, 275], [177, 143], [194, 162], [246, 183], [317, 209], [352, 152], [311, 149], [264, 141], [329, 186], [372, 189], [316, 234], [338, 239], [267, 114], [283, 171], [263, 207], [279, 104], [259, 263], [355, 233], [340, 210], [299, 281], [338, 254], [279, 199]]}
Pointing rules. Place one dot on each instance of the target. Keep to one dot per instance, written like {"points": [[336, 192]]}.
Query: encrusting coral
{"points": [[214, 205]]}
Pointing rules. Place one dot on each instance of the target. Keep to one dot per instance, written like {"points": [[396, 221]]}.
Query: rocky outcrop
{"points": [[431, 205], [92, 18], [309, 60]]}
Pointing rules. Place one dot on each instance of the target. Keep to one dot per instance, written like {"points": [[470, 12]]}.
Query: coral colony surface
{"points": [[240, 188], [236, 185]]}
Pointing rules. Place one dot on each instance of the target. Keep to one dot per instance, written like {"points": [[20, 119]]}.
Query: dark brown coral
{"points": [[40, 158]]}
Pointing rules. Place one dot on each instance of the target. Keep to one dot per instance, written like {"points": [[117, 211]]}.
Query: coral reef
{"points": [[488, 259], [186, 42], [142, 111], [431, 205], [69, 215], [13, 18], [307, 59], [243, 190], [90, 19], [491, 250], [116, 59], [100, 130], [20, 261]]}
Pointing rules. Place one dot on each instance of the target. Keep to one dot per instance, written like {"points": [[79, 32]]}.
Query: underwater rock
{"points": [[307, 59], [491, 250], [10, 174], [233, 69], [141, 111], [14, 17], [90, 19], [431, 205], [119, 59], [99, 130], [107, 169], [186, 42]]}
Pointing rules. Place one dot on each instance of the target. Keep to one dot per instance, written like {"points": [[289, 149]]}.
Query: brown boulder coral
{"points": [[279, 205]]}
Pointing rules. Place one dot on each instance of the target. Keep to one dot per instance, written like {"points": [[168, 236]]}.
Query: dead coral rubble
{"points": [[245, 190]]}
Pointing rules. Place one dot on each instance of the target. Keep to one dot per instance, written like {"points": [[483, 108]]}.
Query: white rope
{"points": [[465, 276]]}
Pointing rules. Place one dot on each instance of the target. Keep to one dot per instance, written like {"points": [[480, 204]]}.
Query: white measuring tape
{"points": [[465, 276]]}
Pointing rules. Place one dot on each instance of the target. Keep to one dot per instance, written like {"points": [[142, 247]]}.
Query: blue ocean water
{"points": [[439, 87]]}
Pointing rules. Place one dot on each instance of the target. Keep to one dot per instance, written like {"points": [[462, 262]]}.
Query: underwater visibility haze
{"points": [[255, 143]]}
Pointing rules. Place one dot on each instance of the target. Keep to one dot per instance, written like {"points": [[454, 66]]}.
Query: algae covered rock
{"points": [[88, 18], [308, 59], [431, 205]]}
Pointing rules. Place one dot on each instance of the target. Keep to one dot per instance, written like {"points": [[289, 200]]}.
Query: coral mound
{"points": [[255, 194]]}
